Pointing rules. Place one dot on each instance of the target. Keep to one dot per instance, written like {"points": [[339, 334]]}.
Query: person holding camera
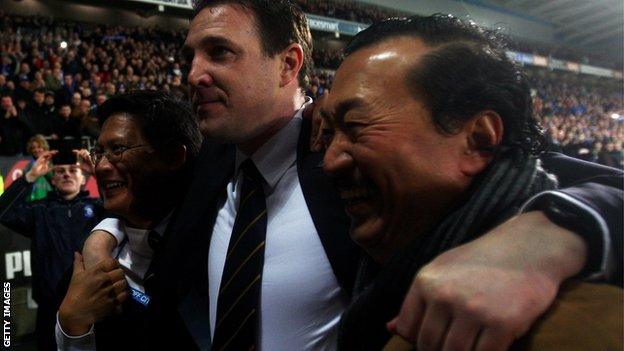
{"points": [[57, 226]]}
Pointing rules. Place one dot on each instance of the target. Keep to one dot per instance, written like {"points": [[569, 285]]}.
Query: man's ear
{"points": [[484, 131], [292, 61]]}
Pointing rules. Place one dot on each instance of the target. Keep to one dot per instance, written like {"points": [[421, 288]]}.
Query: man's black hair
{"points": [[163, 118], [466, 71], [280, 23]]}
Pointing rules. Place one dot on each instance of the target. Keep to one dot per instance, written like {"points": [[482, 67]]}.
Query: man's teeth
{"points": [[113, 185]]}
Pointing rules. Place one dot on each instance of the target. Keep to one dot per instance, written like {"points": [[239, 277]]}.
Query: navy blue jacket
{"points": [[57, 228]]}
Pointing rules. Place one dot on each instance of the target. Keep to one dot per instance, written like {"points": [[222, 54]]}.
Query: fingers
{"points": [[106, 265], [121, 297], [392, 326], [494, 339], [116, 275], [434, 325], [84, 159], [462, 334], [47, 155], [407, 323], [120, 286]]}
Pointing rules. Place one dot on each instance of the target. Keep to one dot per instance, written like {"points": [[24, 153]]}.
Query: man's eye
{"points": [[353, 128], [220, 51], [118, 149]]}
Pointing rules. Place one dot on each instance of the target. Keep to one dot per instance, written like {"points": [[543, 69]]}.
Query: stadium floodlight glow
{"points": [[615, 116], [63, 45]]}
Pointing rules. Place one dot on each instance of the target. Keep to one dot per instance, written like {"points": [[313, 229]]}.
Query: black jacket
{"points": [[179, 310], [57, 228]]}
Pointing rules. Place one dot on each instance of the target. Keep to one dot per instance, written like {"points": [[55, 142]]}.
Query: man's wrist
{"points": [[30, 177], [73, 324], [567, 251], [567, 212]]}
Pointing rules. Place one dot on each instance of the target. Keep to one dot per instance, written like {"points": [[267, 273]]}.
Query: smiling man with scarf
{"points": [[433, 145]]}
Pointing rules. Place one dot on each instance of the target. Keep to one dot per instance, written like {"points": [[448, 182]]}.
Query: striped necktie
{"points": [[239, 294]]}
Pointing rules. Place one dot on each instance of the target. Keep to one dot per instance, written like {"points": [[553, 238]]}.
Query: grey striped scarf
{"points": [[495, 196]]}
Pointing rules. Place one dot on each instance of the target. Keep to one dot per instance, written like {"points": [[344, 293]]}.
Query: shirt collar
{"points": [[138, 238], [279, 153], [160, 228]]}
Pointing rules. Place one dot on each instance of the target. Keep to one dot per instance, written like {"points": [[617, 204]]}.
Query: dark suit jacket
{"points": [[182, 269], [179, 311]]}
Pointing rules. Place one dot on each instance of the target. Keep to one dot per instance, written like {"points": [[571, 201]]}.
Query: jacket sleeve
{"points": [[15, 212], [590, 203]]}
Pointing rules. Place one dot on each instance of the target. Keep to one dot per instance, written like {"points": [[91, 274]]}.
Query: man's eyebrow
{"points": [[345, 106], [205, 41]]}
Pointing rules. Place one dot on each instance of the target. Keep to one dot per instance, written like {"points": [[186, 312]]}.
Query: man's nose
{"points": [[337, 157], [103, 164], [199, 75]]}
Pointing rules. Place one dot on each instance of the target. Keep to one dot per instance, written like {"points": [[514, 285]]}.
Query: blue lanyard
{"points": [[138, 296]]}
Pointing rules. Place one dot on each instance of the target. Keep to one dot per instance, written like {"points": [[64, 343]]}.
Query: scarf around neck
{"points": [[496, 195]]}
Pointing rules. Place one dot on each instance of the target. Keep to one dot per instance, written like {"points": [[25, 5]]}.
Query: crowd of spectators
{"points": [[348, 10], [54, 74], [328, 58], [582, 117]]}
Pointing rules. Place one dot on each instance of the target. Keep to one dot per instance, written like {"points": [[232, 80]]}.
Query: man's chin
{"points": [[368, 233], [68, 191]]}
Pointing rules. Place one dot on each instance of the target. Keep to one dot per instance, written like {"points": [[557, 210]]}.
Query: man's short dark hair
{"points": [[280, 23], [466, 71], [163, 118]]}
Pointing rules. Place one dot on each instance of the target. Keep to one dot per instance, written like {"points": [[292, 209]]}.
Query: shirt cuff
{"points": [[85, 342], [583, 220], [113, 226]]}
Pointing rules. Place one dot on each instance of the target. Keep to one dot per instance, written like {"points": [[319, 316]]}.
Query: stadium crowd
{"points": [[54, 74], [465, 165], [348, 10], [581, 119]]}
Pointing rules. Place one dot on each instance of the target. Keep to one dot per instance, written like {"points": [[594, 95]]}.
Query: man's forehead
{"points": [[220, 18], [380, 66], [58, 168], [388, 53]]}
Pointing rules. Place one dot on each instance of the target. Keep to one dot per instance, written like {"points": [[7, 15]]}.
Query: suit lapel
{"points": [[327, 211], [187, 248]]}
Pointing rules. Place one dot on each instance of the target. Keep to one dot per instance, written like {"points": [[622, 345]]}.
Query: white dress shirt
{"points": [[301, 301], [134, 257]]}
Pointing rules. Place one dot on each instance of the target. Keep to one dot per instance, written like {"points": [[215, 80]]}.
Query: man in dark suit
{"points": [[467, 161], [249, 62]]}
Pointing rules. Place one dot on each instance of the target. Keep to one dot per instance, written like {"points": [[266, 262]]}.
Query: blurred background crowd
{"points": [[54, 73], [57, 69]]}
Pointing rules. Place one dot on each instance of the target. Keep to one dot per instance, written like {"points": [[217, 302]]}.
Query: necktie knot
{"points": [[251, 172]]}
